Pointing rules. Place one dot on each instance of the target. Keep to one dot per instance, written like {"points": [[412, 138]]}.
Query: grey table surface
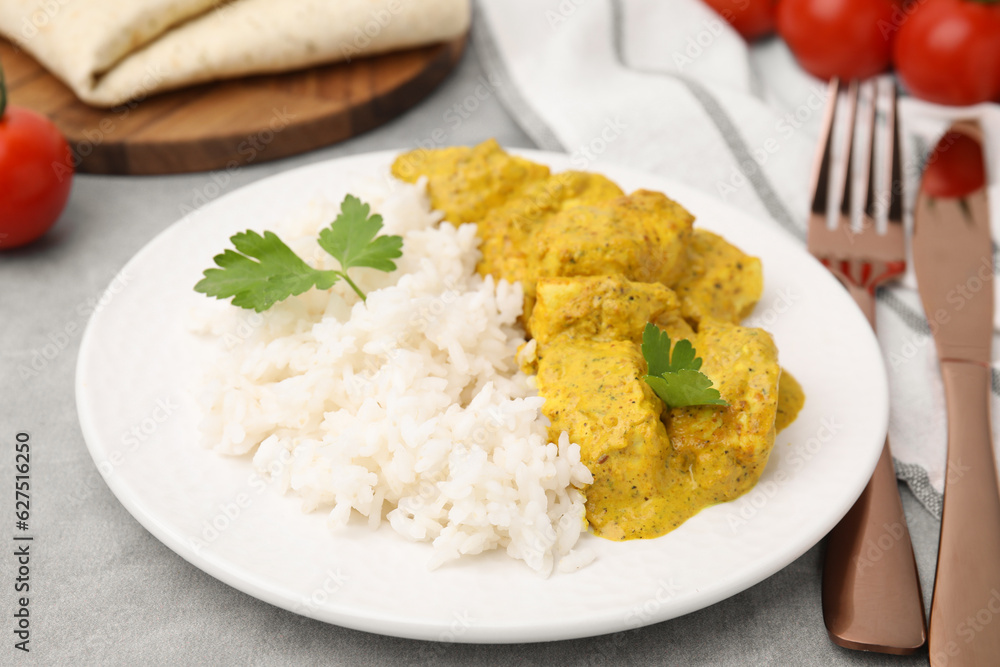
{"points": [[105, 591]]}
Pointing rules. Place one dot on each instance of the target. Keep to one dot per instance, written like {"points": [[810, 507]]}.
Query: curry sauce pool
{"points": [[596, 265]]}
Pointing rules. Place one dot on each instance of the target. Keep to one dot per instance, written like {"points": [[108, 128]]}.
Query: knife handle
{"points": [[965, 612]]}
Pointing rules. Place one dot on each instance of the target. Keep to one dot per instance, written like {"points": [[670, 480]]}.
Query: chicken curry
{"points": [[596, 265]]}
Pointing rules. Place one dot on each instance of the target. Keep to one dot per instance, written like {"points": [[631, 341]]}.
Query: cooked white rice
{"points": [[408, 407]]}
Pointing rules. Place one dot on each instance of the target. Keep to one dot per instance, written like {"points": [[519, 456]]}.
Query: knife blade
{"points": [[953, 260]]}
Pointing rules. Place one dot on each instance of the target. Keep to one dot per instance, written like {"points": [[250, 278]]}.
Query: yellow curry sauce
{"points": [[791, 398], [596, 265]]}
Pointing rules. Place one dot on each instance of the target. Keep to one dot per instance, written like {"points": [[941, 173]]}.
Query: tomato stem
{"points": [[3, 92]]}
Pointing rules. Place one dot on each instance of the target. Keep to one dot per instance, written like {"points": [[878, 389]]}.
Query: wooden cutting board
{"points": [[229, 124]]}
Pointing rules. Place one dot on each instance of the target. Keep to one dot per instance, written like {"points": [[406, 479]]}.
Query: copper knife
{"points": [[953, 260]]}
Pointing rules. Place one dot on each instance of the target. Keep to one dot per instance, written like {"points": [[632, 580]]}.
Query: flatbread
{"points": [[109, 51]]}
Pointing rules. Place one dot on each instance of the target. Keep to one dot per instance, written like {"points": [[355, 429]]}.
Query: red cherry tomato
{"points": [[955, 168], [850, 39], [36, 174], [750, 18], [948, 51]]}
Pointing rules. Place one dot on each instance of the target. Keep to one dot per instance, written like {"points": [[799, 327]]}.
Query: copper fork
{"points": [[871, 592]]}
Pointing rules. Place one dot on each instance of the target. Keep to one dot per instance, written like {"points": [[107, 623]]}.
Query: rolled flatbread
{"points": [[109, 51]]}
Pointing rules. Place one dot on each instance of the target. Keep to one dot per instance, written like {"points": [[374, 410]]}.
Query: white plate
{"points": [[137, 362]]}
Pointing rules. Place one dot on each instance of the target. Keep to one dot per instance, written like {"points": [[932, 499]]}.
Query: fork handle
{"points": [[871, 591], [965, 612], [865, 298]]}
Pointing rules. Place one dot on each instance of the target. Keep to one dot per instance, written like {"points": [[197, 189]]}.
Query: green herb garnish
{"points": [[3, 93], [263, 270], [676, 377]]}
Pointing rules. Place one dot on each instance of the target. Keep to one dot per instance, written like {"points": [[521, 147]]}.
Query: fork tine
{"points": [[895, 213], [868, 220], [821, 171], [850, 253], [852, 112]]}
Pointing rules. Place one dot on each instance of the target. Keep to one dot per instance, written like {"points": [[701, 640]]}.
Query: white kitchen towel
{"points": [[668, 87]]}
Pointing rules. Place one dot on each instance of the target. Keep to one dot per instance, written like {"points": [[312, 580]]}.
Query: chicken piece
{"points": [[726, 448], [508, 231], [674, 324], [594, 390], [721, 282], [641, 236], [466, 182], [791, 398], [598, 308]]}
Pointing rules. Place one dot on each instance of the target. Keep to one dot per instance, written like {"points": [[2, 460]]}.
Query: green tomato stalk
{"points": [[3, 93]]}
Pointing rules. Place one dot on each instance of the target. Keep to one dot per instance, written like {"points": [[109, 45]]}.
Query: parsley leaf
{"points": [[676, 378], [351, 239], [263, 270], [685, 388], [277, 274]]}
